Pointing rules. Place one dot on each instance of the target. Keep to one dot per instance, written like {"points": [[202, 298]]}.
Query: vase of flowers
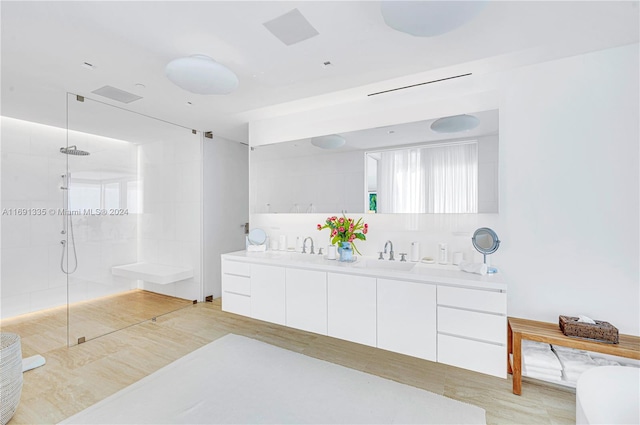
{"points": [[344, 232], [346, 253]]}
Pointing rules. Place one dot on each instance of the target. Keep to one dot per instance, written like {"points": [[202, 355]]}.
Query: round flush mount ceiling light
{"points": [[429, 18], [200, 74], [331, 141], [455, 124]]}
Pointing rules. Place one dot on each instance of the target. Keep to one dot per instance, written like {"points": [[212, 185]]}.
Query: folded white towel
{"points": [[256, 248], [526, 369], [601, 361], [532, 345], [478, 268], [558, 348], [575, 361], [540, 357], [545, 376], [575, 375]]}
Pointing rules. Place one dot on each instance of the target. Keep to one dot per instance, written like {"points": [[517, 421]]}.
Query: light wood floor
{"points": [[77, 377]]}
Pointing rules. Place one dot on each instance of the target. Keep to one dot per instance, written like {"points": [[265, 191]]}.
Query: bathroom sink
{"points": [[387, 265]]}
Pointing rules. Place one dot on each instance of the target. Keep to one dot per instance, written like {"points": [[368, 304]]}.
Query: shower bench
{"points": [[154, 273], [550, 333]]}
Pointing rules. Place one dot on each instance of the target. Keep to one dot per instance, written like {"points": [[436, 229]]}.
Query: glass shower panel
{"points": [[126, 195]]}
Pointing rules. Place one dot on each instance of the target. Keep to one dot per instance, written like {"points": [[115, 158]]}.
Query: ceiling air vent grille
{"points": [[116, 94]]}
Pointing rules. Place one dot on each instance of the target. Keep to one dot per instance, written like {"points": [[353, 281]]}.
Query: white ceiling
{"points": [[44, 45]]}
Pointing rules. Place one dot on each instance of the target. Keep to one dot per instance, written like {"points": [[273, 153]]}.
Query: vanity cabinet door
{"points": [[307, 300], [351, 305], [268, 293], [407, 318]]}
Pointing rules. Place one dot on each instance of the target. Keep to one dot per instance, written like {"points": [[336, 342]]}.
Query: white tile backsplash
{"points": [[402, 229]]}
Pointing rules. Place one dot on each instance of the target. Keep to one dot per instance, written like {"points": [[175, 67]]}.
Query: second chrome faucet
{"points": [[390, 244]]}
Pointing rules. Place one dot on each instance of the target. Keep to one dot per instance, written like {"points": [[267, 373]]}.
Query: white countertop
{"points": [[370, 266]]}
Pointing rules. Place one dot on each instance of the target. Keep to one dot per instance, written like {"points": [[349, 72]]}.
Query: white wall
{"points": [[569, 183]]}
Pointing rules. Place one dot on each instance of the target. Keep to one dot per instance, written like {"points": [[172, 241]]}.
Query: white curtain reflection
{"points": [[429, 179]]}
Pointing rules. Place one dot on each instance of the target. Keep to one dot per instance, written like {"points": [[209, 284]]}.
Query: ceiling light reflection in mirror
{"points": [[296, 176]]}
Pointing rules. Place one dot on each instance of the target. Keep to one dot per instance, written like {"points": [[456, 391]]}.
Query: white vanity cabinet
{"points": [[268, 293], [472, 329], [306, 300], [236, 287], [351, 308], [406, 313], [446, 316]]}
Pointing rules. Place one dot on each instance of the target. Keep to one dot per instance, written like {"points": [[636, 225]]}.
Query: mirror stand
{"points": [[490, 270], [486, 241]]}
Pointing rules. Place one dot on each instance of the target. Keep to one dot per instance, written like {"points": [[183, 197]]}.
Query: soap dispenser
{"points": [[443, 253], [415, 251]]}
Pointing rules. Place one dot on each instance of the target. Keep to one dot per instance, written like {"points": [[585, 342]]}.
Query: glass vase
{"points": [[346, 253]]}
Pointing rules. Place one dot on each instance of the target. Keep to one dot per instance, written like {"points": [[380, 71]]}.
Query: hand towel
{"points": [[575, 361], [601, 361], [539, 356], [543, 370], [477, 268], [543, 376]]}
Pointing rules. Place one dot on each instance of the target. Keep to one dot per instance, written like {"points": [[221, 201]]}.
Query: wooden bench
{"points": [[550, 333]]}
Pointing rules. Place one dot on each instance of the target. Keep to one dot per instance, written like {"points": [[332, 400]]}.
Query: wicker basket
{"points": [[10, 375], [600, 331]]}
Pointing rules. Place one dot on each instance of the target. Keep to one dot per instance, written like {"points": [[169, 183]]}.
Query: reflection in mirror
{"points": [[431, 178], [297, 177]]}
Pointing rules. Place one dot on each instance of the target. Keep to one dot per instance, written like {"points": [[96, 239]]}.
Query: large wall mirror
{"points": [[404, 168]]}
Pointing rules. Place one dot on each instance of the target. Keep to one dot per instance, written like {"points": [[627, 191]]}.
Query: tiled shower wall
{"points": [[32, 168], [170, 227]]}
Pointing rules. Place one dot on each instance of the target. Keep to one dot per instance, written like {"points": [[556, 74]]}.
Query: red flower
{"points": [[341, 220], [340, 229], [351, 238], [366, 226], [319, 227], [365, 230]]}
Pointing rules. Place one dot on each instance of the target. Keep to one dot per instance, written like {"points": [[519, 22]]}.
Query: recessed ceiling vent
{"points": [[291, 28], [117, 94], [420, 84]]}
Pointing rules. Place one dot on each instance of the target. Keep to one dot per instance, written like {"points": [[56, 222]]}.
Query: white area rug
{"points": [[240, 380]]}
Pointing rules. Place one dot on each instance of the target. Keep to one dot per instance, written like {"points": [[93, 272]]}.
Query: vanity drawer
{"points": [[471, 324], [474, 355], [237, 268], [235, 303], [473, 299], [236, 284]]}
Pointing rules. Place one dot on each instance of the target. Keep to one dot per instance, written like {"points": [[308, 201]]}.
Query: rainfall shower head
{"points": [[73, 150]]}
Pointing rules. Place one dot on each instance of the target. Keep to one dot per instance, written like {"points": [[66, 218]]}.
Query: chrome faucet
{"points": [[304, 245], [391, 250]]}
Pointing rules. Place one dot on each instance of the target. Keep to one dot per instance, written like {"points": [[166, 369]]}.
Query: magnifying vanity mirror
{"points": [[403, 168], [486, 241], [257, 237]]}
